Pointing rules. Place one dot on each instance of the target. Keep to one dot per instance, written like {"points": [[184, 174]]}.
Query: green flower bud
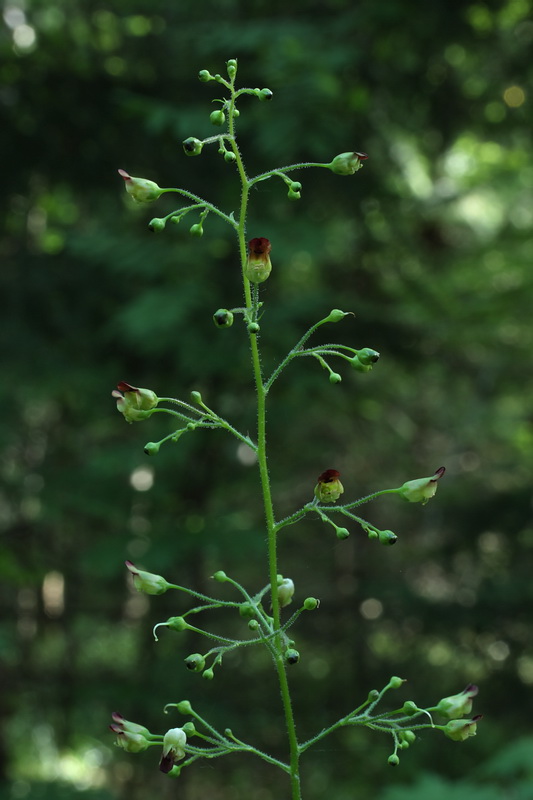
{"points": [[336, 315], [395, 682], [253, 327], [204, 75], [208, 674], [230, 156], [134, 403], [223, 318], [177, 624], [356, 364], [292, 195], [342, 533], [264, 94], [347, 163], [220, 576], [192, 146], [195, 662], [189, 728], [393, 760], [329, 488], [196, 230], [147, 582], [457, 705], [422, 489], [285, 592], [310, 603], [253, 625], [217, 117], [258, 266], [140, 189], [152, 448], [196, 397], [334, 377], [236, 113], [292, 656], [157, 224], [387, 537], [246, 610], [184, 707], [407, 736], [409, 708], [232, 68], [367, 356], [174, 742], [461, 729], [372, 695]]}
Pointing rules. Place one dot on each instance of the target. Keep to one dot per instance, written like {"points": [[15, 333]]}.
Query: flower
{"points": [[285, 592], [347, 163], [329, 488], [258, 266], [173, 749], [128, 741], [135, 402], [422, 489], [130, 727], [461, 729], [147, 582], [457, 705], [140, 189]]}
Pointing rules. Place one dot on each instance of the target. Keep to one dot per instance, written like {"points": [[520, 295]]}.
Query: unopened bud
{"points": [[253, 625], [336, 315], [140, 189], [310, 603], [195, 662], [334, 377], [393, 760], [204, 75], [342, 533], [253, 327], [184, 707], [229, 156], [422, 489], [192, 146], [196, 229], [292, 656], [147, 582], [177, 624], [347, 163], [457, 705], [358, 366], [217, 117], [189, 728], [208, 674], [220, 576], [395, 682], [329, 488], [157, 224], [152, 448], [258, 266], [246, 610], [409, 708], [223, 318], [285, 592], [367, 356], [264, 94], [231, 67], [387, 537]]}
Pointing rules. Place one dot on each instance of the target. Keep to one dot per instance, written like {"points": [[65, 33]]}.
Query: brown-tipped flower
{"points": [[147, 582], [421, 489], [173, 749], [329, 488], [457, 705], [347, 163], [460, 729], [134, 402], [140, 189], [130, 742], [258, 266]]}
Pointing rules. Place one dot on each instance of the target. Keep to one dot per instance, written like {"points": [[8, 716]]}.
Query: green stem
{"points": [[263, 473]]}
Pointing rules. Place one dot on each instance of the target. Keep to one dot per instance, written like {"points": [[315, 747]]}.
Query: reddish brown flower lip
{"points": [[124, 174], [362, 156], [259, 246], [328, 476], [122, 386]]}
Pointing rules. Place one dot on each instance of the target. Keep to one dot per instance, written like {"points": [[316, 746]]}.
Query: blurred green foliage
{"points": [[429, 245]]}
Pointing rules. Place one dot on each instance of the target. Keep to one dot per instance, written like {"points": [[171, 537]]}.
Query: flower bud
{"points": [[140, 189], [196, 397], [173, 748], [192, 146], [292, 656], [258, 266], [147, 582], [217, 117], [253, 625], [208, 674], [367, 356], [310, 603], [294, 194], [223, 318], [156, 225], [422, 489], [342, 533], [358, 366], [457, 705], [128, 741], [232, 68], [220, 576], [229, 156], [461, 729], [334, 377], [246, 610], [336, 315], [409, 708], [393, 760], [184, 707], [264, 94], [407, 736], [329, 488], [135, 402], [152, 448], [189, 728], [204, 75], [130, 727], [285, 592], [196, 229], [395, 682], [195, 662], [347, 163], [253, 327], [177, 624], [387, 537]]}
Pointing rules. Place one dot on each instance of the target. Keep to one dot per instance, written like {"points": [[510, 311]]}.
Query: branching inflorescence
{"points": [[265, 628]]}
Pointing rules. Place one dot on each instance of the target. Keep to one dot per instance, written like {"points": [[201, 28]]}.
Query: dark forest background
{"points": [[430, 245]]}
